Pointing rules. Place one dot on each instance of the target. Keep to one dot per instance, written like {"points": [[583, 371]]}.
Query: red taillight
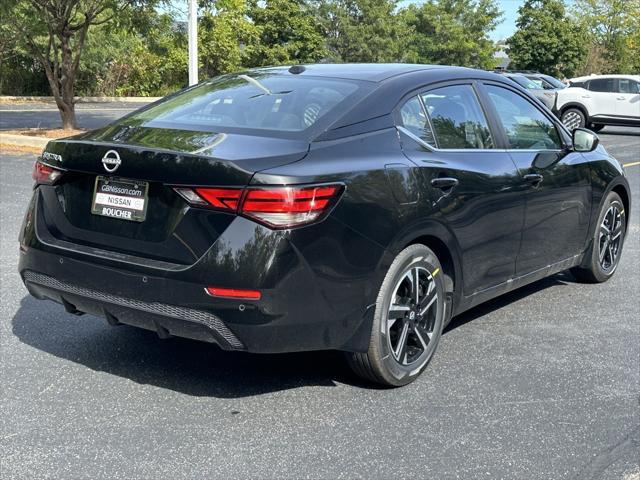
{"points": [[44, 174], [234, 293], [223, 198], [276, 207], [283, 207]]}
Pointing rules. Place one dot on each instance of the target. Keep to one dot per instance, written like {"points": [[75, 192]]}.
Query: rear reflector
{"points": [[44, 174], [275, 207], [234, 293]]}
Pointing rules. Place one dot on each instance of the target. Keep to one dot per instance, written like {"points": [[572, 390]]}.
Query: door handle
{"points": [[586, 96], [444, 183], [533, 178], [621, 98]]}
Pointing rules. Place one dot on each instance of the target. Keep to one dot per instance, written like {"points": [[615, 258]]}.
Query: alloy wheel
{"points": [[610, 238], [572, 120], [411, 318]]}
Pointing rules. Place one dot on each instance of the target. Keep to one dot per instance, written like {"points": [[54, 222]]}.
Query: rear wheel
{"points": [[408, 320], [604, 256], [573, 118]]}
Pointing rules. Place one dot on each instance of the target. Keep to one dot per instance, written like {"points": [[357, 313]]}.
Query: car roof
{"points": [[390, 83], [372, 72], [595, 77]]}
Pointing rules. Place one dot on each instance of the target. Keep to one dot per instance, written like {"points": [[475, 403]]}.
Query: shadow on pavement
{"points": [[509, 298], [197, 368], [187, 366]]}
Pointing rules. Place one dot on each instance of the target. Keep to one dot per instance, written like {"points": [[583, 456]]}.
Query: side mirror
{"points": [[584, 140]]}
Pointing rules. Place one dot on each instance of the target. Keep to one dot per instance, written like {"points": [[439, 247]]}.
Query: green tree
{"points": [[453, 32], [363, 30], [137, 54], [225, 35], [20, 74], [547, 39], [288, 33], [614, 33], [54, 33]]}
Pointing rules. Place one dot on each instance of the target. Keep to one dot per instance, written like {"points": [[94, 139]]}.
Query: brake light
{"points": [[45, 174], [234, 293], [284, 207], [223, 198], [275, 207]]}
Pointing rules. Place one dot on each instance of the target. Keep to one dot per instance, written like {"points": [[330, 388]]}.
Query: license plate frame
{"points": [[120, 198]]}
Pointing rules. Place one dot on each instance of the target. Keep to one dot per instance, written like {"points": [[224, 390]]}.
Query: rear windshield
{"points": [[256, 101], [524, 82], [554, 81]]}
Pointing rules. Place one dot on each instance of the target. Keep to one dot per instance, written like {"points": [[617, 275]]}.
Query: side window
{"points": [[457, 118], [414, 119], [626, 85], [601, 85], [527, 127]]}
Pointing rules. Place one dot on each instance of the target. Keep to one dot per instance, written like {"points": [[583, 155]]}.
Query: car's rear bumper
{"points": [[167, 320], [315, 294]]}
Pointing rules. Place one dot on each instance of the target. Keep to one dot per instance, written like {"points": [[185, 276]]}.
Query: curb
{"points": [[10, 99], [24, 140]]}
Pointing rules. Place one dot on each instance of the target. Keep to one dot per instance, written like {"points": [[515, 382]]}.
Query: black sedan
{"points": [[348, 207]]}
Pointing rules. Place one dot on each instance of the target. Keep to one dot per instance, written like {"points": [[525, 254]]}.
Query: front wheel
{"points": [[408, 320], [604, 255]]}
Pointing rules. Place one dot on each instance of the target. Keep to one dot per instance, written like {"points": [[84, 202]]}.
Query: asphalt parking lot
{"points": [[45, 115], [542, 383]]}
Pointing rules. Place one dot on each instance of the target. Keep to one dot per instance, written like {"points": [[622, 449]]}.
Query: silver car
{"points": [[548, 97]]}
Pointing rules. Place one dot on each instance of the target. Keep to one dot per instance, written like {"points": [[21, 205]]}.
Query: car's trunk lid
{"points": [[172, 230]]}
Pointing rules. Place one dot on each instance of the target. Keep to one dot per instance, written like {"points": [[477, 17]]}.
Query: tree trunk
{"points": [[64, 101], [67, 114], [67, 82]]}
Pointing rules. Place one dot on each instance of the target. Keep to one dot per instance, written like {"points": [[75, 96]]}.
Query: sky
{"points": [[508, 25]]}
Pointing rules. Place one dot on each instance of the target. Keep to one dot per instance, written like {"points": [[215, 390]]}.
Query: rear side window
{"points": [[414, 119], [626, 85], [527, 128], [457, 118], [263, 101], [601, 85]]}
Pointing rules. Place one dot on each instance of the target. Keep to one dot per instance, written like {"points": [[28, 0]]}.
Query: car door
{"points": [[474, 186], [628, 98], [601, 97], [558, 199]]}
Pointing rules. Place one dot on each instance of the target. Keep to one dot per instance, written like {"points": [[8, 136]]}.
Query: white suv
{"points": [[600, 100]]}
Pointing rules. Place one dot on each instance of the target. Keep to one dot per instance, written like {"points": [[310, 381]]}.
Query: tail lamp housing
{"points": [[44, 174], [277, 207]]}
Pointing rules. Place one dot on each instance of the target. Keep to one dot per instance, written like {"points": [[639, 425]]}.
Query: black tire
{"points": [[573, 118], [396, 365], [596, 127], [602, 260]]}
